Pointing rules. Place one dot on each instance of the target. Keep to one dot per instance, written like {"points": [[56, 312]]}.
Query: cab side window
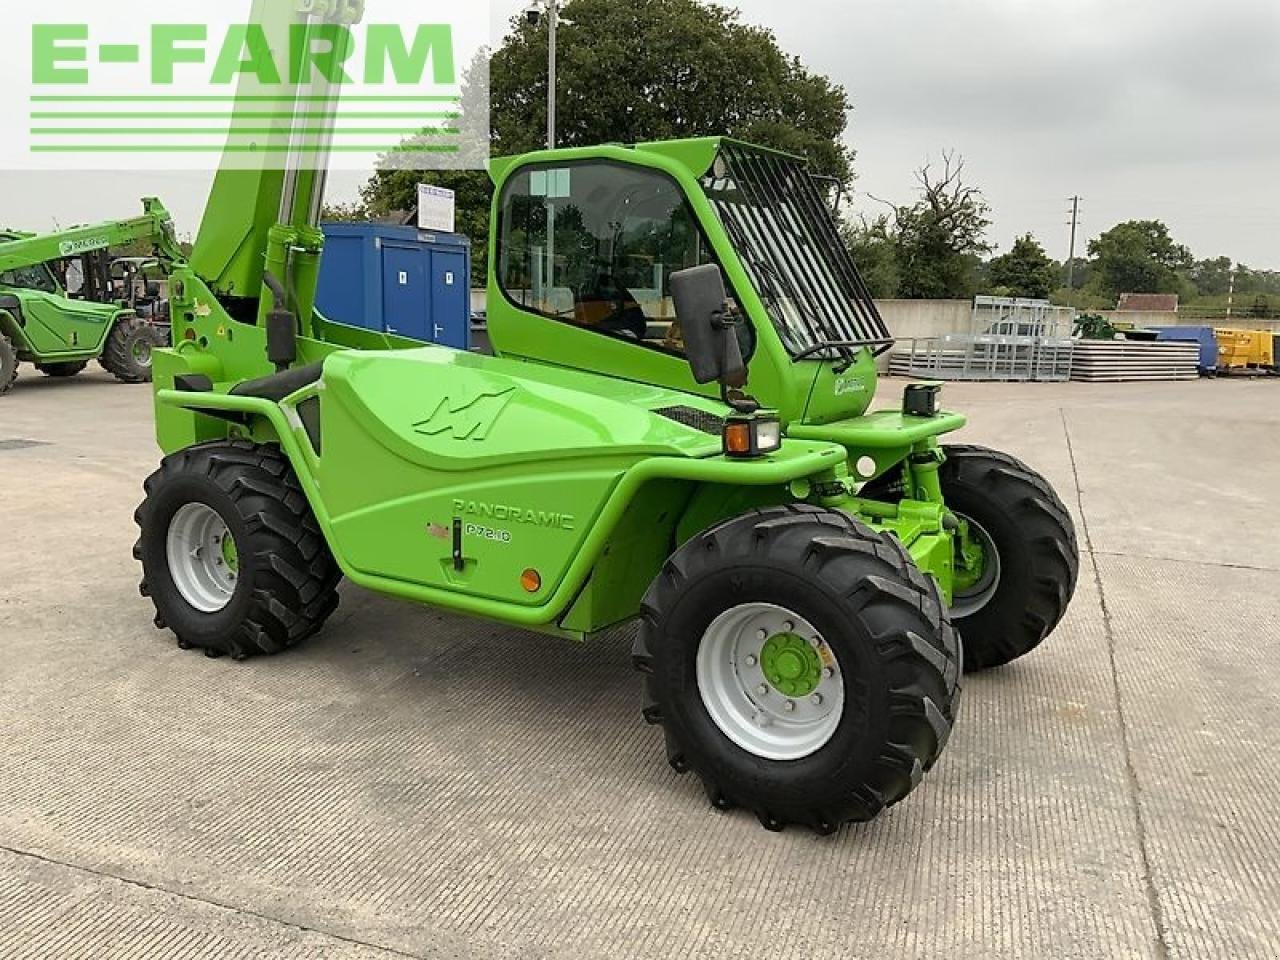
{"points": [[594, 244], [30, 278]]}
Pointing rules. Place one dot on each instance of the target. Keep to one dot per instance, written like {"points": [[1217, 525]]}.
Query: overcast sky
{"points": [[1166, 109]]}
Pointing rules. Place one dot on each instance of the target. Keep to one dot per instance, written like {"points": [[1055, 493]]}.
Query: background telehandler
{"points": [[60, 331], [802, 569]]}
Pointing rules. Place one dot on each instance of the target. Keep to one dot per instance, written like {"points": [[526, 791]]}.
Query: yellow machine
{"points": [[1245, 349]]}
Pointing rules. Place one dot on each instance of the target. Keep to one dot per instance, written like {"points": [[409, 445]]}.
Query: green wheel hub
{"points": [[977, 571], [230, 555], [791, 665], [971, 559]]}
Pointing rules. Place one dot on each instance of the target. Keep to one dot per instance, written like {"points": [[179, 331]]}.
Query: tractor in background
{"points": [[58, 310]]}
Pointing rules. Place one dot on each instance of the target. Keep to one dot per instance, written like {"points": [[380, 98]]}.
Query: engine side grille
{"points": [[697, 419]]}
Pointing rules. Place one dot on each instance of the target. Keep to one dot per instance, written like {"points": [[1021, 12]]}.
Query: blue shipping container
{"points": [[1202, 335], [398, 280]]}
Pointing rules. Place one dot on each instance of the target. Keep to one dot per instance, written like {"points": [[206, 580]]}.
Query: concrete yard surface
{"points": [[413, 784]]}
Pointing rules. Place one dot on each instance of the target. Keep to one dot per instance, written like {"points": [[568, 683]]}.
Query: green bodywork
{"points": [[44, 324], [549, 457]]}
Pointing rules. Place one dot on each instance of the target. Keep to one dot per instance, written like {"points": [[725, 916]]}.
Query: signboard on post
{"points": [[436, 209]]}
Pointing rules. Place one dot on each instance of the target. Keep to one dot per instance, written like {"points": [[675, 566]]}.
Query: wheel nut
{"points": [[762, 634], [816, 699], [788, 627], [763, 689], [816, 641], [789, 706], [827, 673], [751, 661]]}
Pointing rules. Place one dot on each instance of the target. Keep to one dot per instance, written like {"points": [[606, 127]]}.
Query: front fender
{"points": [[886, 437], [12, 323]]}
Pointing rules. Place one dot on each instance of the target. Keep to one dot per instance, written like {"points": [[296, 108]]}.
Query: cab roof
{"points": [[696, 154]]}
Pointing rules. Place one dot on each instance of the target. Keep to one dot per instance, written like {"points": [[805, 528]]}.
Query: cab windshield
{"points": [[788, 241]]}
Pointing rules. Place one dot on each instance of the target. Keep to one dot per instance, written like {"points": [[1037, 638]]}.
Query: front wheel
{"points": [[800, 665], [127, 352], [232, 557], [8, 364], [1017, 558]]}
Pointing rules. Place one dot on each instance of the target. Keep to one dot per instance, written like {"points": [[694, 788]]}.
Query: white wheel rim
{"points": [[197, 549], [969, 602], [747, 706]]}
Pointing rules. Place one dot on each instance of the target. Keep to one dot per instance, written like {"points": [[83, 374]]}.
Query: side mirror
{"points": [[710, 333]]}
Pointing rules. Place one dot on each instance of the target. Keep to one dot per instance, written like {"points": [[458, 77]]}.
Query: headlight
{"points": [[752, 436]]}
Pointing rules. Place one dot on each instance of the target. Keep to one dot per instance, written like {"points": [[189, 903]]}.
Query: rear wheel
{"points": [[232, 557], [62, 370], [800, 665], [1017, 558], [127, 352], [8, 364]]}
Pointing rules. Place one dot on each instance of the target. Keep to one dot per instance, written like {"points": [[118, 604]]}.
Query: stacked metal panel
{"points": [[1112, 361]]}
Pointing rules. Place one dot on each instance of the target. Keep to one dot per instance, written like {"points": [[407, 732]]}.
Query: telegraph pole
{"points": [[553, 21], [1071, 260]]}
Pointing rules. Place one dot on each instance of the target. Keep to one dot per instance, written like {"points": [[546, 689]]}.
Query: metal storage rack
{"points": [[1007, 339]]}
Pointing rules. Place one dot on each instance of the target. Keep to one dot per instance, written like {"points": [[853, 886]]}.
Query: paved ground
{"points": [[412, 784]]}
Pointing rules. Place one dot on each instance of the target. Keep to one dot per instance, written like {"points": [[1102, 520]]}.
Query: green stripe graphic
{"points": [[389, 98], [240, 148], [334, 117], [245, 132]]}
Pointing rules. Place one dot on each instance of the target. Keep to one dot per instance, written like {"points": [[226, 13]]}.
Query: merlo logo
{"points": [[466, 420]]}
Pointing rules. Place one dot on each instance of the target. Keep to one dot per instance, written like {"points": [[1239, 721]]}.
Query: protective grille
{"points": [[697, 419], [790, 244]]}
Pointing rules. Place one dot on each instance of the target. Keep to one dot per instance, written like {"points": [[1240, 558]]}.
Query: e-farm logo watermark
{"points": [[184, 84]]}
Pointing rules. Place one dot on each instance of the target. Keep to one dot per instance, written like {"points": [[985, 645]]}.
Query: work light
{"points": [[752, 436]]}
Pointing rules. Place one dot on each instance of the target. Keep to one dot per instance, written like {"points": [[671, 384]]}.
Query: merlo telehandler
{"points": [[803, 571], [59, 330]]}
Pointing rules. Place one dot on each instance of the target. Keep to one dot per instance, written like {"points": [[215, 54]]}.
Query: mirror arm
{"points": [[732, 394]]}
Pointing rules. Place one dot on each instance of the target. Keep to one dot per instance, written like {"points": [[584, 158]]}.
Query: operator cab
{"points": [[591, 245]]}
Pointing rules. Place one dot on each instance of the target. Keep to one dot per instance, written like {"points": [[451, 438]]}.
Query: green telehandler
{"points": [[59, 330], [693, 451]]}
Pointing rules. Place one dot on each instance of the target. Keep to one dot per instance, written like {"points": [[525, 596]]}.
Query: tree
{"points": [[1257, 281], [663, 69], [638, 71], [938, 241], [1212, 277], [344, 212], [874, 250], [1025, 271], [1138, 256]]}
